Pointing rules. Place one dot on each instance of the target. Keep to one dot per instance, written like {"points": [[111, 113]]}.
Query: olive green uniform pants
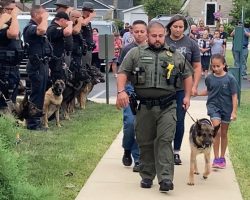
{"points": [[155, 129]]}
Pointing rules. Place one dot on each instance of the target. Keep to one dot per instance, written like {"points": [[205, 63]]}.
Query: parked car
{"points": [[164, 19]]}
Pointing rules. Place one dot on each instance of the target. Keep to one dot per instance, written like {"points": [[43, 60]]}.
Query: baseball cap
{"points": [[62, 15], [88, 6], [62, 3]]}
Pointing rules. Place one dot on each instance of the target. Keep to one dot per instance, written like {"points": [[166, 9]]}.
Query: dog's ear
{"points": [[198, 127], [198, 124], [63, 84], [216, 128]]}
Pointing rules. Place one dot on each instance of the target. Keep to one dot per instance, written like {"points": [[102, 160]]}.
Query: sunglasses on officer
{"points": [[89, 10], [9, 9]]}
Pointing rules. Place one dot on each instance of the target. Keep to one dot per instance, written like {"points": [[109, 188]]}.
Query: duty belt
{"points": [[163, 102], [44, 59]]}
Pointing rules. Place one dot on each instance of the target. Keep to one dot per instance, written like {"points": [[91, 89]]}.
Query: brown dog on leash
{"points": [[201, 139], [52, 102]]}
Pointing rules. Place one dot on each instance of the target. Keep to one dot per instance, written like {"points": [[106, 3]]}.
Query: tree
{"points": [[157, 7], [236, 12]]}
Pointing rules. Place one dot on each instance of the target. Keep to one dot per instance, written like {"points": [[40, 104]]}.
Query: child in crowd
{"points": [[200, 28], [210, 36], [117, 47], [217, 44], [221, 105], [204, 45]]}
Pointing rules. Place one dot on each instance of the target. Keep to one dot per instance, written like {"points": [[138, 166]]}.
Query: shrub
{"points": [[13, 182], [119, 24], [228, 28]]}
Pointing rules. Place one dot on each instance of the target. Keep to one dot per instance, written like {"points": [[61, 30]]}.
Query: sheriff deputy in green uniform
{"points": [[156, 72]]}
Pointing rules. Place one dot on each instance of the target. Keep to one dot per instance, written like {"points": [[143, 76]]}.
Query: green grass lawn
{"points": [[63, 158], [239, 145]]}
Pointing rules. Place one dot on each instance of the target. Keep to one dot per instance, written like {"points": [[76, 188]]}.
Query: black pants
{"points": [[10, 78], [38, 77]]}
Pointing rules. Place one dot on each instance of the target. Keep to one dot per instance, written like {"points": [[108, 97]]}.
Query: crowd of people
{"points": [[155, 147], [61, 50], [157, 68]]}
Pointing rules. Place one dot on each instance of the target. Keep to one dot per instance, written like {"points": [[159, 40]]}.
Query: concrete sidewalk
{"points": [[111, 180]]}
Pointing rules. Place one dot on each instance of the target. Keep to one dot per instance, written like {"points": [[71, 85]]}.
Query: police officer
{"points": [[79, 44], [39, 50], [59, 28], [10, 52], [156, 71], [62, 6], [88, 13]]}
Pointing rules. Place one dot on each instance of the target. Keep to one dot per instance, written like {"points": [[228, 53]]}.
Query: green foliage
{"points": [[156, 7], [236, 12], [119, 24], [37, 167], [228, 28], [13, 176]]}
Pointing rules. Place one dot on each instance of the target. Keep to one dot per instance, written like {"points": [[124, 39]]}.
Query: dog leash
{"points": [[190, 116]]}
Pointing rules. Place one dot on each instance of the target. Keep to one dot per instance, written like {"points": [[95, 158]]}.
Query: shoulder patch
{"points": [[59, 28], [169, 53], [33, 25]]}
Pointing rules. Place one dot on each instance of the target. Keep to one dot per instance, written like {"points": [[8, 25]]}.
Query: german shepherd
{"points": [[201, 137], [52, 102]]}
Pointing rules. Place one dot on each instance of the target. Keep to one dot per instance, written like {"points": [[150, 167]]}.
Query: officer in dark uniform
{"points": [[39, 51], [10, 52], [156, 72], [88, 13], [62, 5], [59, 28], [79, 44]]}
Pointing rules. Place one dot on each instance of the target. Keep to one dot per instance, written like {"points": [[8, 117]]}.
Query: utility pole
{"points": [[115, 5]]}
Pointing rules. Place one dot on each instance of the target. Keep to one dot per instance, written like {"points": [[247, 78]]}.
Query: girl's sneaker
{"points": [[216, 163], [222, 163]]}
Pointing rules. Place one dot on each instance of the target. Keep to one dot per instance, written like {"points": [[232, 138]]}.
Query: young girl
{"points": [[217, 44], [221, 105]]}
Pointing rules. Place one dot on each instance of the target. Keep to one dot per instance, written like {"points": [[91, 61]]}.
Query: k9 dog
{"points": [[201, 139], [52, 102]]}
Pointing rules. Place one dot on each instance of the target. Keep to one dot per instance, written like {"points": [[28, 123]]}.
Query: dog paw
{"points": [[205, 177], [196, 173], [190, 183], [59, 125]]}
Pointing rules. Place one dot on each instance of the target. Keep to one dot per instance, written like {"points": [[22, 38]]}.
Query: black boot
{"points": [[177, 160], [166, 185], [146, 183], [127, 159]]}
